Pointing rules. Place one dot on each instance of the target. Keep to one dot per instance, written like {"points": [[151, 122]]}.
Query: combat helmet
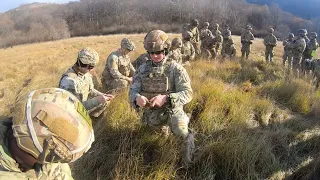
{"points": [[215, 25], [88, 56], [52, 125], [302, 32], [126, 43], [156, 40], [313, 35], [194, 22], [271, 30], [176, 42], [291, 35], [248, 27], [187, 34], [206, 24]]}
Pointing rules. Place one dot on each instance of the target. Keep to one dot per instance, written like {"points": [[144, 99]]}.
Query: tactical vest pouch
{"points": [[152, 86], [124, 70]]}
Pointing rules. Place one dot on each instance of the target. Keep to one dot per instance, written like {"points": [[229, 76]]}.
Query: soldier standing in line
{"points": [[246, 41], [208, 47], [118, 71], [226, 34], [230, 50], [140, 60], [195, 39], [298, 47], [78, 81], [217, 34], [205, 31], [309, 52], [187, 50], [161, 88], [175, 53], [270, 41], [287, 55], [49, 128]]}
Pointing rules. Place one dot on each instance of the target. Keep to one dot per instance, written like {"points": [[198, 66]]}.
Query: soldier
{"points": [[118, 71], [246, 41], [78, 81], [205, 32], [315, 67], [161, 88], [217, 34], [226, 34], [298, 47], [187, 50], [270, 41], [287, 55], [140, 60], [195, 39], [175, 53], [309, 52], [208, 47], [230, 50], [49, 128]]}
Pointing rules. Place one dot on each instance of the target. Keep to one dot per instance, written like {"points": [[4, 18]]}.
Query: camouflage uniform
{"points": [[169, 78], [316, 72], [298, 48], [217, 34], [205, 32], [287, 55], [246, 41], [140, 60], [81, 85], [9, 168], [195, 39], [187, 50], [175, 53], [208, 46], [226, 34], [270, 41], [309, 52], [230, 50]]}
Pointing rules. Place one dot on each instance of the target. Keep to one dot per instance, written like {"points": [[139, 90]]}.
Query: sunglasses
{"points": [[157, 52], [85, 65], [90, 67]]}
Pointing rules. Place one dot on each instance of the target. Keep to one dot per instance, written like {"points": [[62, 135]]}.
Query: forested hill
{"points": [[306, 9], [39, 22]]}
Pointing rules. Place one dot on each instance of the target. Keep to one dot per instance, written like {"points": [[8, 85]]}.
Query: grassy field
{"points": [[252, 120]]}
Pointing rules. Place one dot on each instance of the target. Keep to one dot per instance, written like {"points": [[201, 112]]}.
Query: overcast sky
{"points": [[11, 4]]}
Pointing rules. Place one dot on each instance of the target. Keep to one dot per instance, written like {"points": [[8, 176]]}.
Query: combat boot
{"points": [[187, 150]]}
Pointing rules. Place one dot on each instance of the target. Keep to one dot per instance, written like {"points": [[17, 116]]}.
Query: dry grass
{"points": [[253, 121]]}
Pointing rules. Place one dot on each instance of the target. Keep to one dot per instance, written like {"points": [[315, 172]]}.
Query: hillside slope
{"points": [[252, 119]]}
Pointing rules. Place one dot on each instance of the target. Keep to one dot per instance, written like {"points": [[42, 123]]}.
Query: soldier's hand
{"points": [[104, 98], [142, 101], [129, 79], [158, 101], [108, 96]]}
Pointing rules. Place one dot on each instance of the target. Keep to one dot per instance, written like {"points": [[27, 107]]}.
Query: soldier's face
{"points": [[157, 56]]}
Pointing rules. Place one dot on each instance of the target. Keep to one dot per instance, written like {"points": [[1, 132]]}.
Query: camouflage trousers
{"points": [[316, 76], [197, 48], [245, 50], [218, 45], [297, 57], [287, 56], [178, 122], [209, 53], [115, 84], [224, 45], [269, 54]]}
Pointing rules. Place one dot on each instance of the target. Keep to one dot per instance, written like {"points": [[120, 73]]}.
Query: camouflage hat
{"points": [[88, 56], [215, 25], [206, 24], [226, 26], [194, 22], [313, 35], [187, 34], [248, 27], [176, 42], [271, 30], [156, 40], [291, 35], [127, 44], [52, 125]]}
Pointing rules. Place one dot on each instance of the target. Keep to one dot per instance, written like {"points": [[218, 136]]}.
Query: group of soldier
{"points": [[52, 127]]}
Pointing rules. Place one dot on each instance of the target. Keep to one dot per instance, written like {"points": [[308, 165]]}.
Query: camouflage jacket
{"points": [[270, 40], [247, 37], [286, 45], [140, 60], [215, 32], [118, 67], [298, 46], [179, 87], [231, 50], [196, 36], [311, 46], [188, 51], [175, 55], [209, 42], [81, 86], [205, 33], [9, 168]]}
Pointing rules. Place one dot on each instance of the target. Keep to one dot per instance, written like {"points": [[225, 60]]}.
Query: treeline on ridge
{"points": [[44, 22]]}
